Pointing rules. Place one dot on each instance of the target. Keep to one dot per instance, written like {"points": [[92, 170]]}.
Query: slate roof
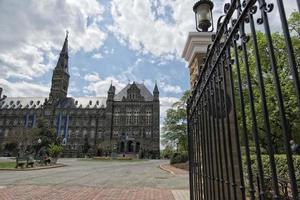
{"points": [[37, 102], [143, 89], [22, 102]]}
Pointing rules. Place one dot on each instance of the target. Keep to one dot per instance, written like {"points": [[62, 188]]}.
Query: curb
{"points": [[32, 169], [167, 170]]}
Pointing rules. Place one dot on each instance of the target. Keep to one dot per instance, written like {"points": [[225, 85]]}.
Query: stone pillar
{"points": [[194, 53]]}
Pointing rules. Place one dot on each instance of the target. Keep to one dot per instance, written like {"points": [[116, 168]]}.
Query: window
{"points": [[136, 120], [127, 120], [148, 133], [148, 120], [92, 134]]}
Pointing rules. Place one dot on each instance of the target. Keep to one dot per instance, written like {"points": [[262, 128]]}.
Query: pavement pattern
{"points": [[104, 180]]}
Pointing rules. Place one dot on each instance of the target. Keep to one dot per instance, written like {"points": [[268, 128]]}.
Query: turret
{"points": [[111, 92], [155, 93]]}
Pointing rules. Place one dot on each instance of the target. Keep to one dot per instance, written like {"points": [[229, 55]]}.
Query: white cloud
{"points": [[165, 104], [99, 86], [135, 23], [97, 56], [31, 31], [162, 31], [171, 88], [24, 89]]}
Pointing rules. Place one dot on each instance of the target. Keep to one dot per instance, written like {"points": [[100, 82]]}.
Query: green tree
{"points": [[175, 125], [286, 81], [46, 134]]}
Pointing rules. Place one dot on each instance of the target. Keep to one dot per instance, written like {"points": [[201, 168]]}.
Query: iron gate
{"points": [[244, 111]]}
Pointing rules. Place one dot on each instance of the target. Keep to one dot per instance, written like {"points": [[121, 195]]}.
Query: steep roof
{"points": [[143, 89]]}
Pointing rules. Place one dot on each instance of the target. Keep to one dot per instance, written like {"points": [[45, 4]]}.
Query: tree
{"points": [[21, 138], [175, 125], [47, 136], [286, 83]]}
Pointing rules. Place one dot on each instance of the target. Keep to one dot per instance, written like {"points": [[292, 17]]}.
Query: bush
{"points": [[281, 167], [177, 157], [55, 150], [167, 152]]}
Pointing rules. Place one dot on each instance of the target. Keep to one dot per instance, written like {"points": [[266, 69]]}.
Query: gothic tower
{"points": [[60, 77]]}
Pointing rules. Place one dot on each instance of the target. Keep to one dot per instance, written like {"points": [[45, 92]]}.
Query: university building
{"points": [[123, 122]]}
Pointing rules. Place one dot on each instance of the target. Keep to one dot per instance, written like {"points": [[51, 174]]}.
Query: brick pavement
{"points": [[33, 192]]}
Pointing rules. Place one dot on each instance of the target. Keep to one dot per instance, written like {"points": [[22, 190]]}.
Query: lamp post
{"points": [[203, 15]]}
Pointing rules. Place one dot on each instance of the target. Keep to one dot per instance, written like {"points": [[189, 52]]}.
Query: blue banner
{"points": [[58, 125], [26, 120], [66, 129]]}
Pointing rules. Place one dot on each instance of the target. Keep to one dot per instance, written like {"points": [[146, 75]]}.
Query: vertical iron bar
{"points": [[202, 151], [200, 154], [237, 136], [224, 77], [252, 112], [190, 153], [210, 144], [207, 147], [218, 137], [215, 156], [245, 131], [206, 175], [223, 134], [196, 155], [264, 108], [285, 128]]}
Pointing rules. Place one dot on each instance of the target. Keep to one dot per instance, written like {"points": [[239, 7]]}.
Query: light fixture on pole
{"points": [[203, 15]]}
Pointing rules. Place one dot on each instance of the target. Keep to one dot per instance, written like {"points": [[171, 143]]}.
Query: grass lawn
{"points": [[7, 165]]}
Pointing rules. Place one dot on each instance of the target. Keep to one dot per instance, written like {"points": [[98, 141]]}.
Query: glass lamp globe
{"points": [[203, 15]]}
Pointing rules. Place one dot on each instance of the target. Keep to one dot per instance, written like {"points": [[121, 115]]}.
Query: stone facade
{"points": [[124, 122]]}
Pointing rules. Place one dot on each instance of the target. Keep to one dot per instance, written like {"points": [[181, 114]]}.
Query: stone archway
{"points": [[129, 146], [137, 147], [122, 147]]}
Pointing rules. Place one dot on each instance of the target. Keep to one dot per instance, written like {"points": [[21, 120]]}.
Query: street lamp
{"points": [[203, 15]]}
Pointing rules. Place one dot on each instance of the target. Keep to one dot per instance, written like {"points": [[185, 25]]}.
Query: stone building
{"points": [[123, 122]]}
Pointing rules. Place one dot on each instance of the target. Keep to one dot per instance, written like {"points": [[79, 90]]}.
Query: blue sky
{"points": [[117, 41]]}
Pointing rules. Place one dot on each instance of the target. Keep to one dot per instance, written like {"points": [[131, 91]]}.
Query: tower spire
{"points": [[60, 78], [156, 92]]}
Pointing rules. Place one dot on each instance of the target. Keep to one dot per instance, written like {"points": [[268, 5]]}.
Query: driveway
{"points": [[105, 180]]}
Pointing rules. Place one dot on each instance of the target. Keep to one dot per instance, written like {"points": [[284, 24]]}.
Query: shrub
{"points": [[55, 150], [177, 157], [281, 167]]}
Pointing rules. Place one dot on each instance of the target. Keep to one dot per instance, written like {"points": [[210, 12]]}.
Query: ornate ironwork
{"points": [[219, 129]]}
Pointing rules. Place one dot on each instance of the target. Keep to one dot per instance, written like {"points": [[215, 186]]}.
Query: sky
{"points": [[116, 41]]}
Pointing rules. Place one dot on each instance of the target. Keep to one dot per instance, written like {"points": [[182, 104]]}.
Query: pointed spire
{"points": [[63, 59], [112, 88], [155, 88], [65, 46]]}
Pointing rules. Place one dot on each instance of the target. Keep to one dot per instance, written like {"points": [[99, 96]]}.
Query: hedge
{"points": [[281, 167], [181, 157]]}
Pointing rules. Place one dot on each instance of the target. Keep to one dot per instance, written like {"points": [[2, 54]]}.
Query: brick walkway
{"points": [[79, 193]]}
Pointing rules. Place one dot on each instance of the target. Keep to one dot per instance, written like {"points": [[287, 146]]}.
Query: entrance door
{"points": [[129, 146]]}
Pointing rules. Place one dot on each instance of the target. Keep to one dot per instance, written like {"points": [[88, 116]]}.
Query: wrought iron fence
{"points": [[244, 110]]}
